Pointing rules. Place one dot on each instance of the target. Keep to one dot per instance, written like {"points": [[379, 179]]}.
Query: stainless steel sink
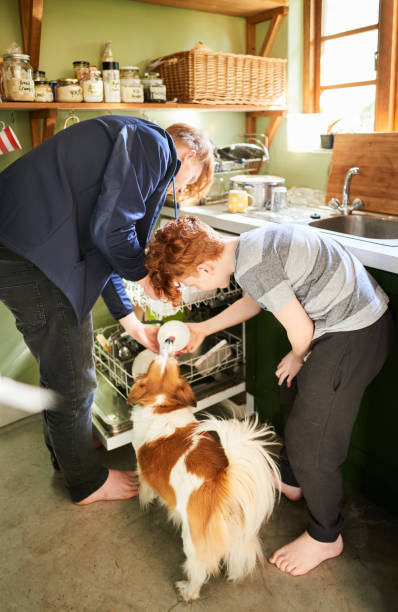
{"points": [[373, 228]]}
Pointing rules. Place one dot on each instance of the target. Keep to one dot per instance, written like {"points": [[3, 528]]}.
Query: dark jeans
{"points": [[64, 351], [320, 411]]}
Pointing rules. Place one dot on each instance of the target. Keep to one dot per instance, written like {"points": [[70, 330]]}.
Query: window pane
{"points": [[343, 15], [349, 59], [354, 105]]}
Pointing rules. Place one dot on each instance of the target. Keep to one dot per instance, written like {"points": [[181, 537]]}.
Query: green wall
{"points": [[75, 30]]}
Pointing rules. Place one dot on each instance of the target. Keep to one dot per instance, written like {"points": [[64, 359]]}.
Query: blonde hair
{"points": [[199, 142]]}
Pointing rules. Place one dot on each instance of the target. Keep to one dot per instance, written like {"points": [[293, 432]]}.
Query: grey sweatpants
{"points": [[320, 411]]}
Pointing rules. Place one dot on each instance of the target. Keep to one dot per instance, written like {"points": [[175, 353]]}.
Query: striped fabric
{"points": [[276, 263], [8, 141]]}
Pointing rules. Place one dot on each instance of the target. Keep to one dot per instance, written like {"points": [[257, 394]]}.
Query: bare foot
{"points": [[302, 555], [293, 493], [118, 485]]}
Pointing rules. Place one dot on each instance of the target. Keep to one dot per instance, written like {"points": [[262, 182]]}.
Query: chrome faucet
{"points": [[345, 208]]}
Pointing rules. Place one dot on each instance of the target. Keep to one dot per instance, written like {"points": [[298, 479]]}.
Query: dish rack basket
{"points": [[190, 297], [118, 374]]}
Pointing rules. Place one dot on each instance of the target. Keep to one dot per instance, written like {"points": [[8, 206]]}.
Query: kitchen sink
{"points": [[379, 229]]}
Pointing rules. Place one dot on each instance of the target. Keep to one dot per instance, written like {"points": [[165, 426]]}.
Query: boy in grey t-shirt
{"points": [[340, 329]]}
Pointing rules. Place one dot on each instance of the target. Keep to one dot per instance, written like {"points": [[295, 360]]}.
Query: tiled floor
{"points": [[112, 557]]}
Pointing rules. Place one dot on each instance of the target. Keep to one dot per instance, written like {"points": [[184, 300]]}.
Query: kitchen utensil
{"points": [[243, 152], [259, 186], [177, 331]]}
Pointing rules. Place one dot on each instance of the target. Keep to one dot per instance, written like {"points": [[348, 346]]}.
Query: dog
{"points": [[218, 478]]}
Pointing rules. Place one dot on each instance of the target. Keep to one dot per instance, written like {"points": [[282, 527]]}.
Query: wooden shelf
{"points": [[255, 11], [234, 8], [32, 106]]}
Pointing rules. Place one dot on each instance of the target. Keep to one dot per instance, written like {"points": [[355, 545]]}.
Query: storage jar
{"points": [[93, 88], [154, 88], [43, 92], [68, 90], [39, 75], [131, 88], [18, 78], [80, 69]]}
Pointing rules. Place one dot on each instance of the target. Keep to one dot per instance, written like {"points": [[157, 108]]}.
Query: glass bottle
{"points": [[110, 71]]}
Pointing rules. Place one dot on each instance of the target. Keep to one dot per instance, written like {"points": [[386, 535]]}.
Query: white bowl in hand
{"points": [[177, 331]]}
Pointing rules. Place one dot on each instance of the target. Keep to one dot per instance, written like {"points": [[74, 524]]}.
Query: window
{"points": [[350, 62]]}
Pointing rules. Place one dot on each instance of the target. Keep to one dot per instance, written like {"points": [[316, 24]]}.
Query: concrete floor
{"points": [[111, 557]]}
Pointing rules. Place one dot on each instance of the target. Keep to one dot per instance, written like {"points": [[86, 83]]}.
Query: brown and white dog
{"points": [[218, 491]]}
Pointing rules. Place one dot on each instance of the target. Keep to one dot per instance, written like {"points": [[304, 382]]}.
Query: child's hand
{"points": [[198, 334], [288, 368]]}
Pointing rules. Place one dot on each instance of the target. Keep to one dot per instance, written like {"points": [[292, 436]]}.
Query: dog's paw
{"points": [[184, 589]]}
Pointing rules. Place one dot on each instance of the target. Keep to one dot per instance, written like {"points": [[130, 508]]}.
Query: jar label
{"points": [[132, 94], [43, 96], [26, 86], [157, 92]]}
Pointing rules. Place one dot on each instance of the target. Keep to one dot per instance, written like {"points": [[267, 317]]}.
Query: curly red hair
{"points": [[174, 252]]}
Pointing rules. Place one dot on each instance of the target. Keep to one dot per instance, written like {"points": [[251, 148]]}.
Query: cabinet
{"points": [[254, 12]]}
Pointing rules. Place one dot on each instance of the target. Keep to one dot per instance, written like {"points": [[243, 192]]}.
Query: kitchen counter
{"points": [[370, 254]]}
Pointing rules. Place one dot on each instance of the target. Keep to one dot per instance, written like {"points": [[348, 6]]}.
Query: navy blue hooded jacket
{"points": [[83, 204]]}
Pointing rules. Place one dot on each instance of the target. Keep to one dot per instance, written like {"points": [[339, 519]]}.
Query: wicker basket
{"points": [[203, 76]]}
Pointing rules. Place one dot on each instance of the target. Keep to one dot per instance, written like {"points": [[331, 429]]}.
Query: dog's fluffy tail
{"points": [[251, 483]]}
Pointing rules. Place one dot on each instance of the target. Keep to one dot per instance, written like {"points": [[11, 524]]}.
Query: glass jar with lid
{"points": [[92, 85], [154, 88], [131, 88], [39, 75], [43, 92], [68, 90], [80, 69], [18, 78]]}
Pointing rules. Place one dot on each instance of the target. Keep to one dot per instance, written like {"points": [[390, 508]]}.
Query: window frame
{"points": [[386, 103]]}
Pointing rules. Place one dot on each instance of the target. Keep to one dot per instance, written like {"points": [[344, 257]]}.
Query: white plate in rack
{"points": [[142, 362]]}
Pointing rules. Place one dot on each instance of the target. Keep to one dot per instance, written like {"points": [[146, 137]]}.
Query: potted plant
{"points": [[328, 138]]}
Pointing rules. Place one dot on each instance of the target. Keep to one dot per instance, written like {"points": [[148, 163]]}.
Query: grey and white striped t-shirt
{"points": [[278, 262]]}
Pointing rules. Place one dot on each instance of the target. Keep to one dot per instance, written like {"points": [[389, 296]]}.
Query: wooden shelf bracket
{"points": [[38, 133], [276, 16]]}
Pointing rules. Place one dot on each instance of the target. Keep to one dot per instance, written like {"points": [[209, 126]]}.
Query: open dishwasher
{"points": [[215, 371]]}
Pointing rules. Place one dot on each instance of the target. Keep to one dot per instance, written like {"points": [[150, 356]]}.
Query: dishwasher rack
{"points": [[191, 297], [216, 376], [118, 373]]}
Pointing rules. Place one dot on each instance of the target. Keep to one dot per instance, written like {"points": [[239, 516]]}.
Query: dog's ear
{"points": [[184, 394], [137, 391]]}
